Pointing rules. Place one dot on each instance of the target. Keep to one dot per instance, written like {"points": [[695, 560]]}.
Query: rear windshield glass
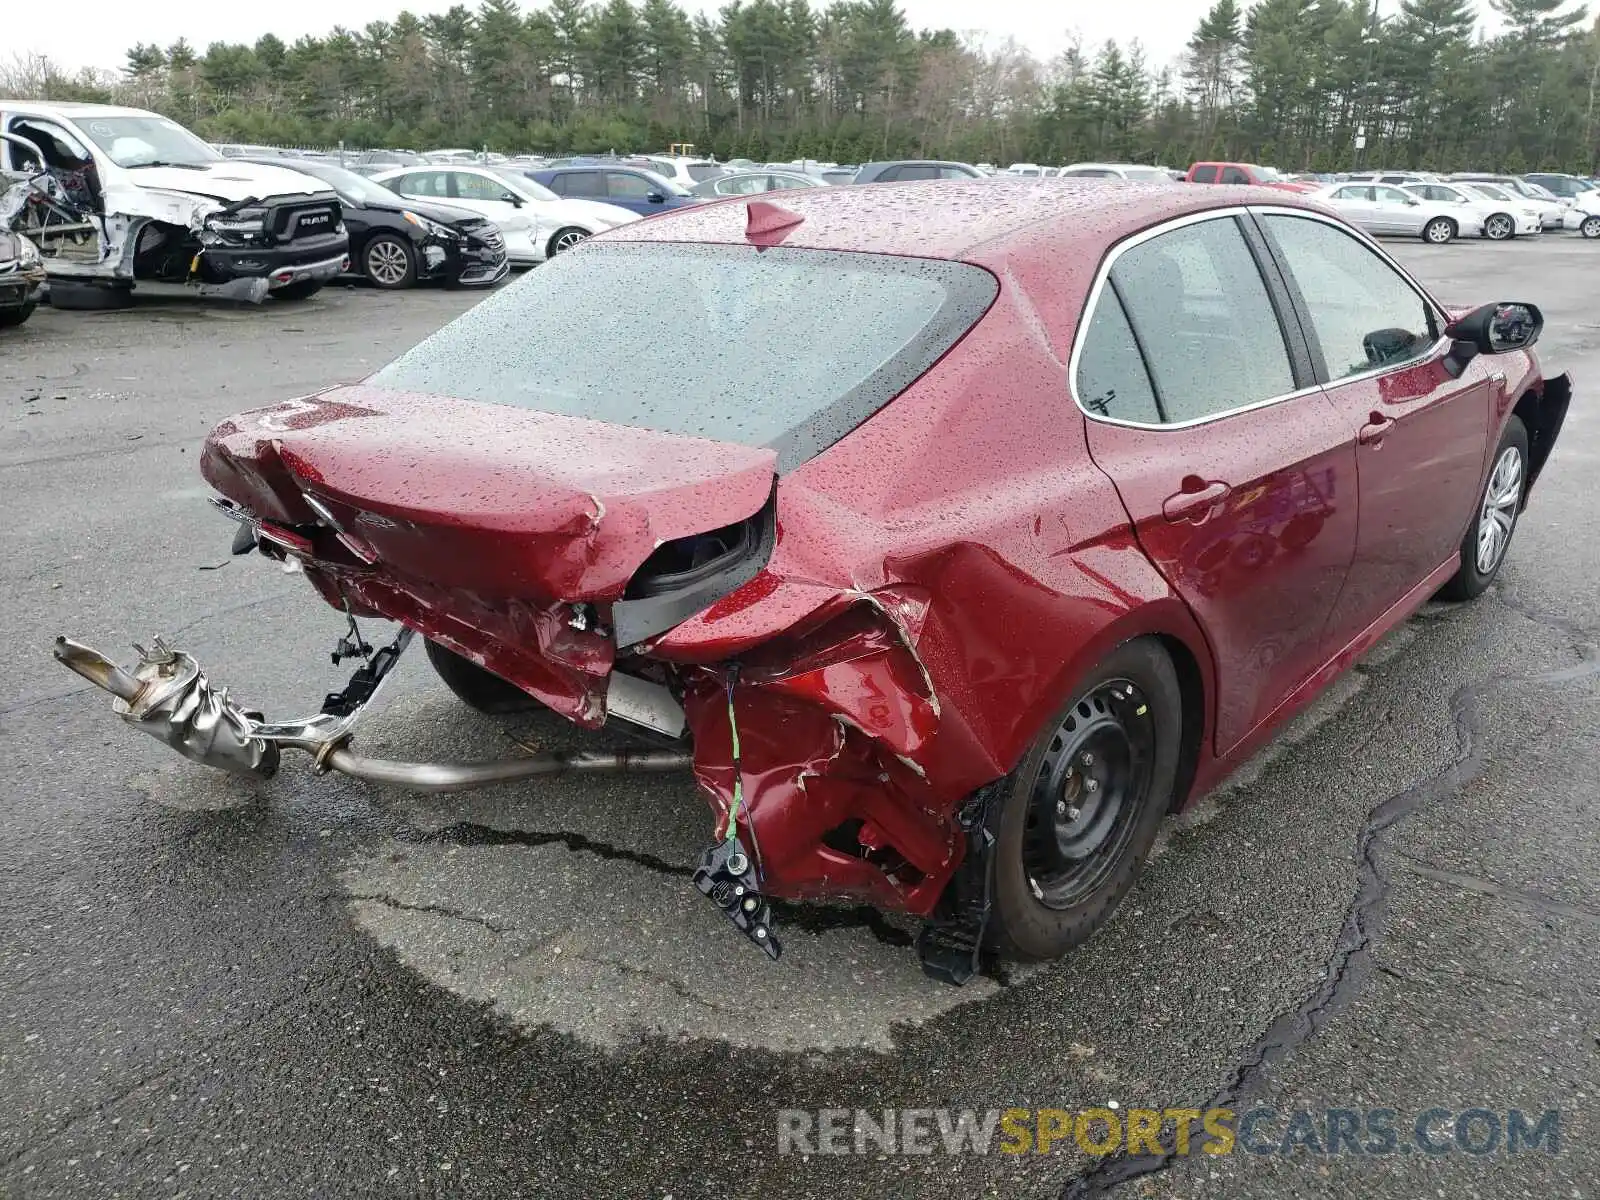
{"points": [[789, 349]]}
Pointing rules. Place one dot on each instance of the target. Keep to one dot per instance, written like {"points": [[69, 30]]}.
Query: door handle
{"points": [[1195, 506], [1372, 432]]}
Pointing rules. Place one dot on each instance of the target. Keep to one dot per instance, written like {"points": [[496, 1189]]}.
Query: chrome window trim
{"points": [[1230, 213]]}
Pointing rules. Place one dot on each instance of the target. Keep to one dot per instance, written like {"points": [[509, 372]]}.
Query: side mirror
{"points": [[1412, 203], [512, 199], [1495, 328], [656, 198]]}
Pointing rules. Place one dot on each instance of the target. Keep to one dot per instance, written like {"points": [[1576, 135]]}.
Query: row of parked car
{"points": [[99, 197]]}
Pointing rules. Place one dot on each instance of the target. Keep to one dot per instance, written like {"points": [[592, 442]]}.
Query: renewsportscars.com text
{"points": [[1431, 1131]]}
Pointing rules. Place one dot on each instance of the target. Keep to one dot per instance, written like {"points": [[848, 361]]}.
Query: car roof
{"points": [[951, 219], [912, 162], [74, 108]]}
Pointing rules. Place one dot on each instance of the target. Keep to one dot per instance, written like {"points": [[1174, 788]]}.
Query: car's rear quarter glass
{"points": [[784, 348]]}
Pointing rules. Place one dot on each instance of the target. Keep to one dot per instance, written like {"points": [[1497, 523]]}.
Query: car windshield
{"points": [[147, 142], [521, 183], [1538, 191], [775, 347], [1146, 174], [1489, 190], [700, 172], [351, 188]]}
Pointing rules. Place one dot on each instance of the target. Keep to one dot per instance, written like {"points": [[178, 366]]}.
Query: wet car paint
{"points": [[941, 576]]}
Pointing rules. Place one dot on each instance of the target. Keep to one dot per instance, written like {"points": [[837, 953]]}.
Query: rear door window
{"points": [[1206, 174], [1196, 301], [776, 347], [1234, 175], [587, 184], [424, 183]]}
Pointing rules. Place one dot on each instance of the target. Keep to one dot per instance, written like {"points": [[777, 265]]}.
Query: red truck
{"points": [[1246, 173]]}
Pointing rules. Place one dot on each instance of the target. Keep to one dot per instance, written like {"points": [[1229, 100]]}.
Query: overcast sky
{"points": [[97, 32]]}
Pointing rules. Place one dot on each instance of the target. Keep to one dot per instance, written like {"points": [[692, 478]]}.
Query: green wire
{"points": [[738, 773]]}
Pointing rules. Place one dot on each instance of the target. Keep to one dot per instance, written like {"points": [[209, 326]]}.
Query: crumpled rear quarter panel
{"points": [[956, 561]]}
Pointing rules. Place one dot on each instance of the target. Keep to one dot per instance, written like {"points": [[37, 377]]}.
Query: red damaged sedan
{"points": [[985, 525]]}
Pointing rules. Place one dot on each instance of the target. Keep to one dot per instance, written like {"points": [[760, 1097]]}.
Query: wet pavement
{"points": [[316, 986]]}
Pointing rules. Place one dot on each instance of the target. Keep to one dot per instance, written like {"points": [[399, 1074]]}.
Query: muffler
{"points": [[169, 697]]}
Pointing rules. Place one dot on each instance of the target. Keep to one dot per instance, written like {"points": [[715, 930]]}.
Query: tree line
{"points": [[1295, 84]]}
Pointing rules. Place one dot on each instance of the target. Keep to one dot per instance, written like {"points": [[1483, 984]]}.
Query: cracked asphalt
{"points": [[317, 987]]}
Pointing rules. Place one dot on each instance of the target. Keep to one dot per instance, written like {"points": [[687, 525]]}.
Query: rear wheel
{"points": [[474, 686], [1590, 227], [303, 290], [389, 262], [1079, 815], [1499, 227], [565, 239], [1439, 231], [1483, 550]]}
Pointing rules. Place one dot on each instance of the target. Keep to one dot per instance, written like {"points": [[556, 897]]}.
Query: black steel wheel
{"points": [[1082, 810]]}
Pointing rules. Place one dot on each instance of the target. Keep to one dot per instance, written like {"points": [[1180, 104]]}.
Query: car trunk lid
{"points": [[494, 500]]}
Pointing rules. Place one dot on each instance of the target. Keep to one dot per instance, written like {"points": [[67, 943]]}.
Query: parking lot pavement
{"points": [[320, 987]]}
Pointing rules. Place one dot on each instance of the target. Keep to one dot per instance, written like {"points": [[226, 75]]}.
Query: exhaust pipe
{"points": [[168, 697], [455, 777]]}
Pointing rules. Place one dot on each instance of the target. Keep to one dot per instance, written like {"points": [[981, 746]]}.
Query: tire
{"points": [[12, 317], [303, 290], [1483, 551], [1439, 231], [1590, 227], [89, 297], [1499, 227], [476, 687], [564, 239], [389, 262], [1098, 780]]}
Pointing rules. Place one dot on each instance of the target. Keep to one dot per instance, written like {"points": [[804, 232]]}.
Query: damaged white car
{"points": [[113, 195]]}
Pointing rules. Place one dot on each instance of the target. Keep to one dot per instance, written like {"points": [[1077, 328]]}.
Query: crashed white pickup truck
{"points": [[112, 195]]}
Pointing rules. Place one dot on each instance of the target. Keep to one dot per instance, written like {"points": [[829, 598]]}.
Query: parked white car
{"points": [[1501, 218], [1529, 215], [686, 172], [1552, 213], [1132, 172], [1393, 212], [1032, 169], [535, 222], [1584, 214]]}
